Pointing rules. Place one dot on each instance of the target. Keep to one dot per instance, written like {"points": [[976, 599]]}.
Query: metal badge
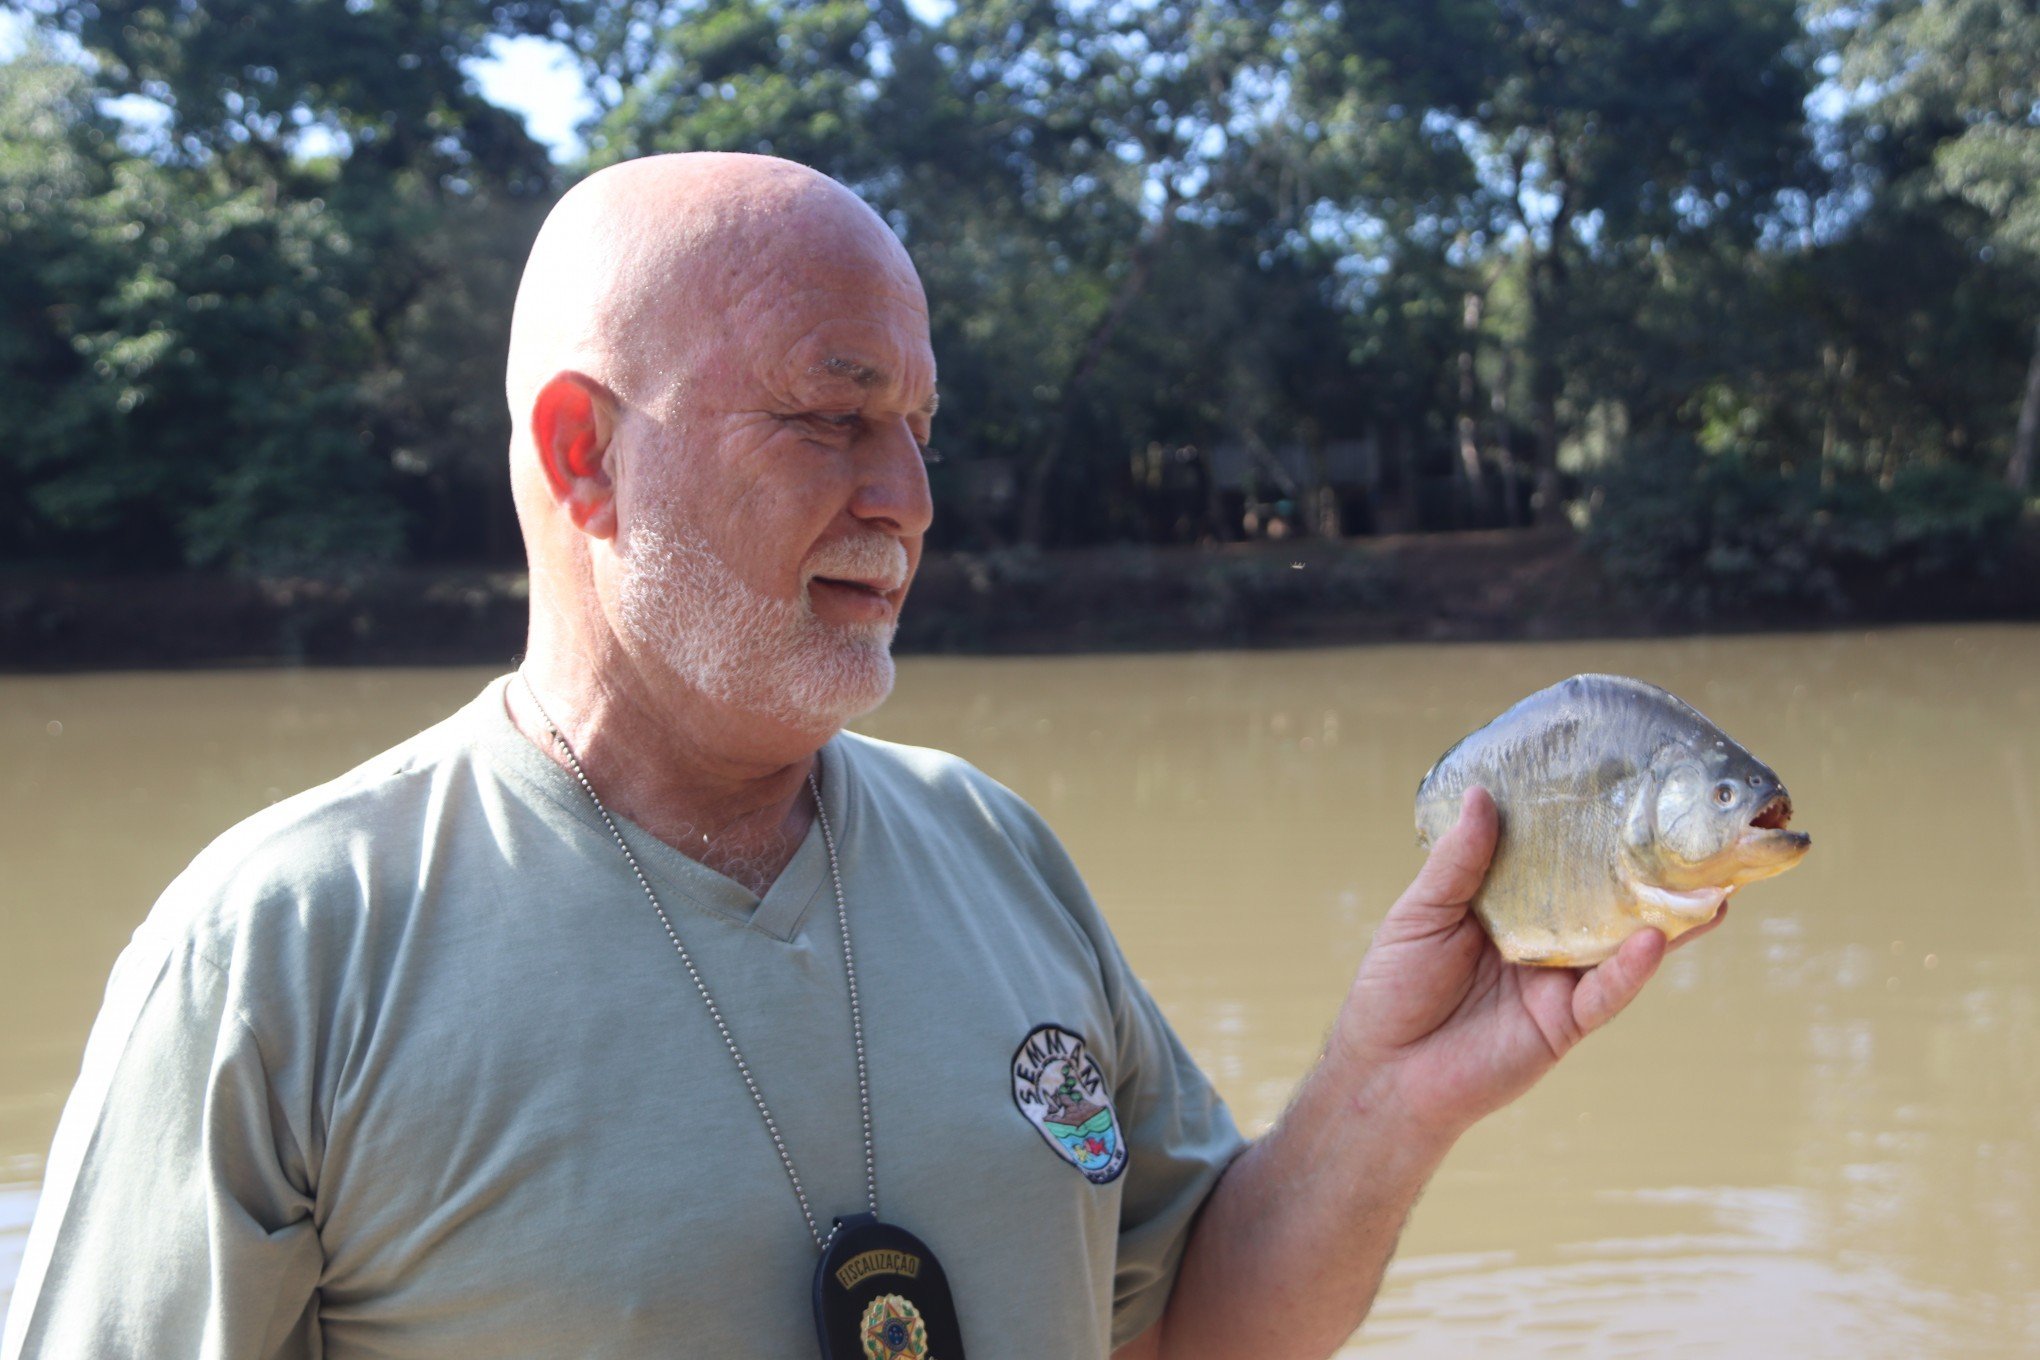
{"points": [[880, 1294]]}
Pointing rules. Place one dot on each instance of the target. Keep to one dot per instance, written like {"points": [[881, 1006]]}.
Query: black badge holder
{"points": [[880, 1294]]}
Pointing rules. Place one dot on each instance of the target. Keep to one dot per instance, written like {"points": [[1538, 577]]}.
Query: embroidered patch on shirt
{"points": [[1057, 1085]]}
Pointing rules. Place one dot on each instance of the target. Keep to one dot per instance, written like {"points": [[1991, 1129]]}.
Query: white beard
{"points": [[740, 647]]}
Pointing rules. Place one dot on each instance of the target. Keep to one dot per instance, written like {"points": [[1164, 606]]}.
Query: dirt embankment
{"points": [[1504, 584]]}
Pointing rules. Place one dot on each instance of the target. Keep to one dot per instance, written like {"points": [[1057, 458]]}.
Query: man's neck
{"points": [[742, 814]]}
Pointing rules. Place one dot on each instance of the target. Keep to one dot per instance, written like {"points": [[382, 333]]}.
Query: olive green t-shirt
{"points": [[406, 1067]]}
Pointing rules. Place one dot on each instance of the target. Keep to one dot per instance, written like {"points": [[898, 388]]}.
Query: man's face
{"points": [[773, 500]]}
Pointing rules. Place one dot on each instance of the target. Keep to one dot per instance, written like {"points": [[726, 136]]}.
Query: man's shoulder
{"points": [[875, 757], [952, 806], [949, 789], [935, 775], [323, 846]]}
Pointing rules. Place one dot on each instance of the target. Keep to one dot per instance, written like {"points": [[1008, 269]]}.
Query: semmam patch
{"points": [[1058, 1086]]}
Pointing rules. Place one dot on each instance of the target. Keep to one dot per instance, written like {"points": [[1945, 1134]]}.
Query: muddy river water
{"points": [[1816, 1135]]}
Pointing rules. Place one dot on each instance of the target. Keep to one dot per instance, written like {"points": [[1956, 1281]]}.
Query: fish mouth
{"points": [[1767, 840], [1774, 814]]}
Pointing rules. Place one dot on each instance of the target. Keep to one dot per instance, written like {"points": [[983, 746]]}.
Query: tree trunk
{"points": [[1321, 517], [1406, 473], [1474, 483], [1504, 437], [1034, 498], [1214, 499], [2019, 471], [1544, 384], [1286, 487], [1549, 281], [1829, 366], [1373, 462]]}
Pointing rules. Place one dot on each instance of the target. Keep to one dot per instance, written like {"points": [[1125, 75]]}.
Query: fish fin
{"points": [[1698, 904], [1639, 826]]}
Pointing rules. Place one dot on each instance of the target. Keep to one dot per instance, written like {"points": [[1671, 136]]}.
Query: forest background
{"points": [[1738, 299]]}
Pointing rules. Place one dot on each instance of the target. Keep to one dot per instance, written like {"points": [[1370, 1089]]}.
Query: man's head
{"points": [[720, 382]]}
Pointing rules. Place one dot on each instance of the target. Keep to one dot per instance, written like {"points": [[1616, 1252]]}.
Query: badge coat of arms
{"points": [[892, 1330], [1058, 1086]]}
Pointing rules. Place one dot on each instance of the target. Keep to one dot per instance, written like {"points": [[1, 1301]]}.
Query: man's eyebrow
{"points": [[864, 375]]}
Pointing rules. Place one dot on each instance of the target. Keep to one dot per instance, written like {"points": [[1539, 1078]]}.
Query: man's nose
{"points": [[892, 482]]}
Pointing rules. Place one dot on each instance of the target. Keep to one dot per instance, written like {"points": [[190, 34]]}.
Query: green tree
{"points": [[1040, 158], [58, 159], [1965, 76], [181, 371], [1601, 136], [264, 85], [374, 208]]}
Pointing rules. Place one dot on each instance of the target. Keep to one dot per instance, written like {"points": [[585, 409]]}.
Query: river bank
{"points": [[1486, 586]]}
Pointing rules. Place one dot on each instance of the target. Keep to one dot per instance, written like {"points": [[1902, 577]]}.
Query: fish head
{"points": [[1720, 818]]}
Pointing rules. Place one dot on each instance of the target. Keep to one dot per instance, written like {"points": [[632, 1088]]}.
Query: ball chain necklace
{"points": [[878, 1289]]}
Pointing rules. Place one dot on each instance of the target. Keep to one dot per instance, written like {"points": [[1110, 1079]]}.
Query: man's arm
{"points": [[173, 1219], [1437, 1032]]}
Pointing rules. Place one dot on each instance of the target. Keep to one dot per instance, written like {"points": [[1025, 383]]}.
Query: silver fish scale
{"points": [[1564, 766]]}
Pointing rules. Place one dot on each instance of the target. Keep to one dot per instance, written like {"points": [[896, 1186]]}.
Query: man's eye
{"points": [[929, 453], [832, 424]]}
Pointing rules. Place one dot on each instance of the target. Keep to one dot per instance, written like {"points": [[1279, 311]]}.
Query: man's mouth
{"points": [[850, 599], [875, 588], [866, 568]]}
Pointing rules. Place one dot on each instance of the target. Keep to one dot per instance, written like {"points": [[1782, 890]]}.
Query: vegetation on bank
{"points": [[1702, 537], [1480, 586], [1746, 289]]}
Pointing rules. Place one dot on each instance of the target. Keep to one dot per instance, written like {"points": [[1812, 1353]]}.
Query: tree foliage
{"points": [[1195, 269], [271, 322]]}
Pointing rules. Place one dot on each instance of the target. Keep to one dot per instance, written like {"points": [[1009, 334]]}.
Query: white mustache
{"points": [[878, 560]]}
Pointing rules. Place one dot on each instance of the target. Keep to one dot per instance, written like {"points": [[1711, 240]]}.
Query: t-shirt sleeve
{"points": [[175, 1218], [1180, 1137]]}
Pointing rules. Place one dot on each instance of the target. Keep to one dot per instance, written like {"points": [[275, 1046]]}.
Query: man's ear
{"points": [[572, 422]]}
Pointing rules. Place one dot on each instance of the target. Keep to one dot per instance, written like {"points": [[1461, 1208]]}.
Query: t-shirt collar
{"points": [[677, 878]]}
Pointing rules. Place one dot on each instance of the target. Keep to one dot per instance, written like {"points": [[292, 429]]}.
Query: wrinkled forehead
{"points": [[851, 317], [854, 346], [772, 265]]}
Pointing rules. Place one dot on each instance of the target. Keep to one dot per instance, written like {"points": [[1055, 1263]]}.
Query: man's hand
{"points": [[1437, 1031], [1444, 1028]]}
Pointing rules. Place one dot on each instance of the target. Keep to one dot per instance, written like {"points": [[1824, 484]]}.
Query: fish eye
{"points": [[1724, 793]]}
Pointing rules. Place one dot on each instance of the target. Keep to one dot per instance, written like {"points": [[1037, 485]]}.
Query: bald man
{"points": [[638, 1010]]}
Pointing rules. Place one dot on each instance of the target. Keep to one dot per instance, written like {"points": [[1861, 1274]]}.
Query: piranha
{"points": [[1620, 807]]}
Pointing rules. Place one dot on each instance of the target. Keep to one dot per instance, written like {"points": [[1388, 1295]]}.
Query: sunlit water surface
{"points": [[1817, 1135]]}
